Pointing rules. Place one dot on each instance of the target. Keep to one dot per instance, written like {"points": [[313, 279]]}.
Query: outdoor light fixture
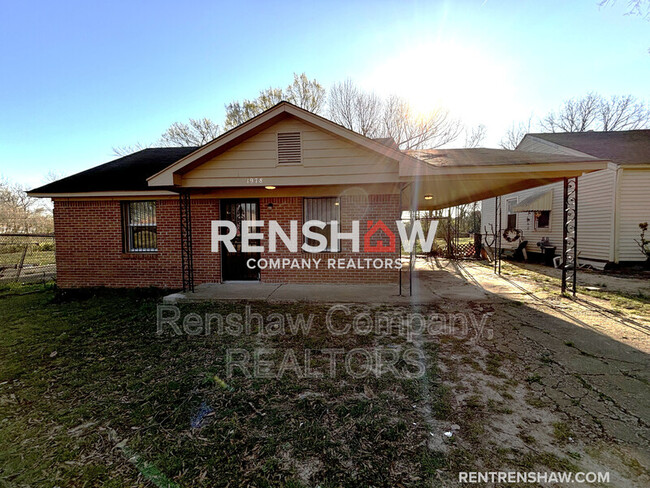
{"points": [[336, 204], [269, 187], [428, 196], [269, 205]]}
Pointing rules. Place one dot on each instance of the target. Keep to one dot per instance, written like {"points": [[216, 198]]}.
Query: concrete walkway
{"points": [[432, 283], [288, 293]]}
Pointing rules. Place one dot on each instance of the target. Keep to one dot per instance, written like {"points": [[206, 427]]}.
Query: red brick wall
{"points": [[372, 207], [89, 244]]}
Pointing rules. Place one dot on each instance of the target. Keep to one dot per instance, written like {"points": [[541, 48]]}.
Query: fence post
{"points": [[22, 261]]}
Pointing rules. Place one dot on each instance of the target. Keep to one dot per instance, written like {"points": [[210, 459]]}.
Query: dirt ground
{"points": [[556, 376]]}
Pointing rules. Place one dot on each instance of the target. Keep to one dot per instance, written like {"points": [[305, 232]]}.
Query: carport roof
{"points": [[457, 176], [462, 158]]}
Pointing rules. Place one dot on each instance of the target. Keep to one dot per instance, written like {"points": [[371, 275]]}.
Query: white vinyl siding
{"points": [[596, 192], [595, 216], [633, 208]]}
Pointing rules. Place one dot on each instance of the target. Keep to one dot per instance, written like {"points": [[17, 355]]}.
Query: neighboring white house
{"points": [[611, 202]]}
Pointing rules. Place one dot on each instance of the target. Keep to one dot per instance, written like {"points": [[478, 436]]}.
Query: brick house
{"points": [[145, 219]]}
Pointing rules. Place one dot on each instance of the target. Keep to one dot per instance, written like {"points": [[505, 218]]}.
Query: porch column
{"points": [[187, 260], [570, 235]]}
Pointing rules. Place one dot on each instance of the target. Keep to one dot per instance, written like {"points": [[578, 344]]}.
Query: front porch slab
{"points": [[300, 292]]}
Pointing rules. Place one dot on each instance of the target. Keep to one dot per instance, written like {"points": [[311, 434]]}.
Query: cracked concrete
{"points": [[579, 364], [560, 360]]}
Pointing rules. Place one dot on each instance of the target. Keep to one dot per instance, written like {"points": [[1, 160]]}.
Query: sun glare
{"points": [[438, 76]]}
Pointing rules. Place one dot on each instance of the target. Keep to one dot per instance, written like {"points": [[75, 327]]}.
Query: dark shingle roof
{"points": [[622, 147], [129, 173]]}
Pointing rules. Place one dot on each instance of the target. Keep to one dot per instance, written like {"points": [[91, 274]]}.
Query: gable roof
{"points": [[453, 175], [168, 176], [620, 147], [133, 172], [128, 173]]}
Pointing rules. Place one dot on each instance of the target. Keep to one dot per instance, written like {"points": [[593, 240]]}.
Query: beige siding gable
{"points": [[326, 159]]}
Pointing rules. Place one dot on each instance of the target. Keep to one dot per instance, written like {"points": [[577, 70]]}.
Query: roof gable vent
{"points": [[289, 148]]}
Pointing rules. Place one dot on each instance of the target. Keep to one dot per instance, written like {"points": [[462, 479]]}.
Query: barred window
{"points": [[139, 226], [324, 209]]}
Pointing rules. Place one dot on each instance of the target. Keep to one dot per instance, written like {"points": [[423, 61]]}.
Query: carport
{"points": [[442, 178]]}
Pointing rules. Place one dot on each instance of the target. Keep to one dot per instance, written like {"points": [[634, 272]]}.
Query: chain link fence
{"points": [[27, 257]]}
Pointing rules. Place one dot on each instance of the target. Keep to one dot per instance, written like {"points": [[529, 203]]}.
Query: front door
{"points": [[233, 264]]}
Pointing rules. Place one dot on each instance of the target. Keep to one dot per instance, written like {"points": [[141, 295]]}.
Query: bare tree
{"points": [[371, 116], [303, 92], [356, 110], [196, 133], [415, 131], [306, 93], [474, 136], [575, 115], [126, 150], [634, 7], [239, 112], [53, 175], [21, 213], [515, 134], [623, 113], [593, 112]]}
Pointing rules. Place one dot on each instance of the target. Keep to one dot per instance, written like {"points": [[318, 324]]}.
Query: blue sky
{"points": [[81, 77]]}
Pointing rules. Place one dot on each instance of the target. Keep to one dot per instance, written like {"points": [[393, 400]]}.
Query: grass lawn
{"points": [[87, 384], [91, 395], [637, 301]]}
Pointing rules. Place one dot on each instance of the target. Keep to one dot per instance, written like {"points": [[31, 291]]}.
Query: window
{"points": [[543, 219], [139, 227], [512, 216], [289, 148], [326, 210]]}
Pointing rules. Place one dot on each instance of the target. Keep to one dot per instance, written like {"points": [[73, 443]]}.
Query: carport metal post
{"points": [[399, 237], [570, 235], [497, 235]]}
